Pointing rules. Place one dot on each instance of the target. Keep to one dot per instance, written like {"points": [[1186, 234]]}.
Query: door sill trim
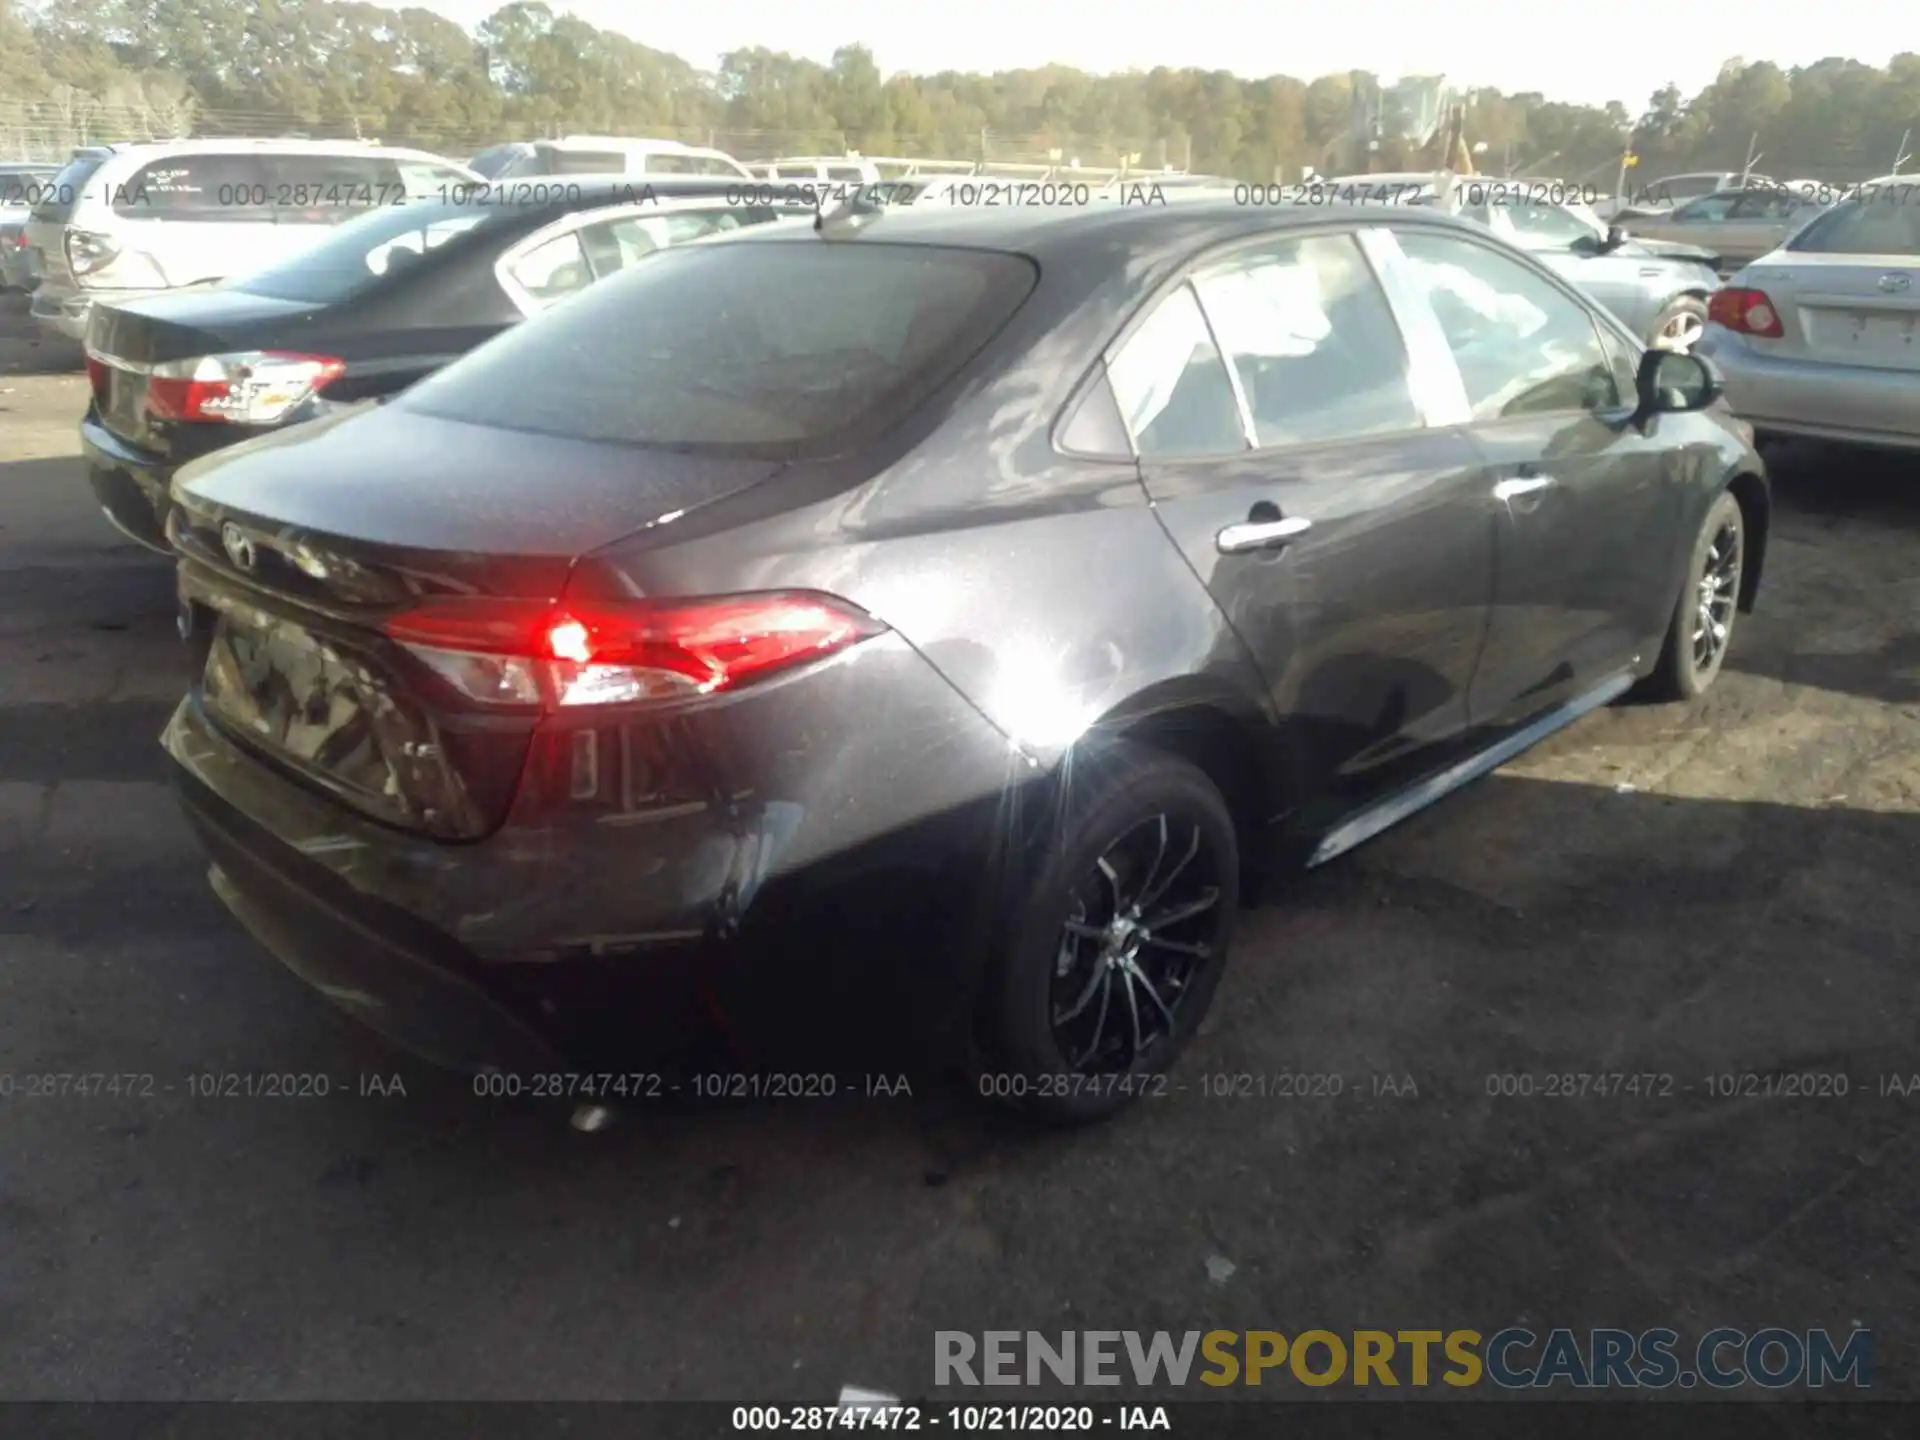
{"points": [[1390, 810]]}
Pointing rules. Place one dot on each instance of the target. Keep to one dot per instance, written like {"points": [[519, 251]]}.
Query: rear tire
{"points": [[1117, 942], [1678, 326], [1701, 630]]}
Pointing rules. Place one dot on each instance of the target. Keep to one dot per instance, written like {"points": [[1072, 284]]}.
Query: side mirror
{"points": [[1616, 236], [1673, 383]]}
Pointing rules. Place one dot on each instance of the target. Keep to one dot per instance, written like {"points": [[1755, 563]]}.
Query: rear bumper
{"points": [[61, 310], [1848, 403], [583, 930], [130, 484]]}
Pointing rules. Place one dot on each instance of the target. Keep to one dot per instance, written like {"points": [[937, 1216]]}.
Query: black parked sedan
{"points": [[1034, 574], [385, 299]]}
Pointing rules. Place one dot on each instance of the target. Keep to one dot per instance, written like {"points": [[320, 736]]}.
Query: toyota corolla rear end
{"points": [[528, 704], [177, 377], [1821, 338]]}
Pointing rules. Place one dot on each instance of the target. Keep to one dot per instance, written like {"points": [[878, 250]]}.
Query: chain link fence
{"points": [[49, 131]]}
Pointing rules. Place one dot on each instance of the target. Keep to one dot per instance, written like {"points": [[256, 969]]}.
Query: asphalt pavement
{"points": [[1718, 890]]}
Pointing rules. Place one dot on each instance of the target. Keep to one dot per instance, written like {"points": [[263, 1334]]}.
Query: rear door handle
{"points": [[1260, 534], [1521, 485]]}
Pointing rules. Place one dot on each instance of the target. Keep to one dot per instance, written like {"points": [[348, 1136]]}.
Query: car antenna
{"points": [[849, 217]]}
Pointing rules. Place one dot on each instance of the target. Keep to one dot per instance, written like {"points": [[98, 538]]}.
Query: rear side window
{"points": [[225, 188], [1312, 340], [354, 257], [787, 349], [583, 162], [1882, 222], [1686, 187], [57, 196], [1710, 208], [1172, 386], [326, 189], [666, 164]]}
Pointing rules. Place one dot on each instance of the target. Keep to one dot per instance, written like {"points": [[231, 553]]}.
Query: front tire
{"points": [[1702, 627], [1117, 943]]}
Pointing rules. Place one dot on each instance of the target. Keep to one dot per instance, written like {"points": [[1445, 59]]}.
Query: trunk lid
{"points": [[1859, 310], [127, 339], [298, 545]]}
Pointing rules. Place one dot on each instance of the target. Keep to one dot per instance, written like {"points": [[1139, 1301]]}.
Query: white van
{"points": [[124, 221], [609, 155]]}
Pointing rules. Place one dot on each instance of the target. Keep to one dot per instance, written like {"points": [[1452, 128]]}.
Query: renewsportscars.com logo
{"points": [[1512, 1359]]}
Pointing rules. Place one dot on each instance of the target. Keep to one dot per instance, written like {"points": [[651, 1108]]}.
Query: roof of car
{"points": [[1081, 232], [243, 145]]}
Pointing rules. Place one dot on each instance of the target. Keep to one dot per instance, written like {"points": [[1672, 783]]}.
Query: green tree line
{"points": [[411, 76]]}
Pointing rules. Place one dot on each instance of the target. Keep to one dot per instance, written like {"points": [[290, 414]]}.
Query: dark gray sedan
{"points": [[1033, 577]]}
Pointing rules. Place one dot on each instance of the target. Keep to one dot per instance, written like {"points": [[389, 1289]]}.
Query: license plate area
{"points": [[315, 707], [1887, 337], [124, 404]]}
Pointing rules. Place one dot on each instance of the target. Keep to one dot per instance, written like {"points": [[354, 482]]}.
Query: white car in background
{"points": [[1821, 337], [600, 156], [126, 221]]}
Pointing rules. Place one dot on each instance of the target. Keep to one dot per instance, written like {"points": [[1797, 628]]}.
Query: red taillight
{"points": [[257, 388], [97, 376], [1746, 312], [509, 652]]}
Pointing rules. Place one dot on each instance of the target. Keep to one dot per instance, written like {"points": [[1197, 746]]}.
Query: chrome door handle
{"points": [[1508, 489], [1259, 535]]}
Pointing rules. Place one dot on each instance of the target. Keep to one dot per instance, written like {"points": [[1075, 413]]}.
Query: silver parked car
{"points": [[1821, 338], [21, 187], [1735, 225], [1657, 197], [1659, 290]]}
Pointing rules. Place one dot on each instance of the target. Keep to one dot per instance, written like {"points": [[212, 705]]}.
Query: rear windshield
{"points": [[353, 257], [489, 164], [58, 196], [783, 350], [1883, 221], [314, 188]]}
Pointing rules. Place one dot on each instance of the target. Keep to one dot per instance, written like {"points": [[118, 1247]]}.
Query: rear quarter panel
{"points": [[1042, 588]]}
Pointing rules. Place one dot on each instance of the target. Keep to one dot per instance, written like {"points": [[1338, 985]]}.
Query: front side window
{"points": [[1523, 347], [1172, 386], [1312, 340], [1708, 210]]}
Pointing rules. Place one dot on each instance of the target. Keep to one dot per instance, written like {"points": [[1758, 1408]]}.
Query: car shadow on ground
{"points": [[1834, 483], [26, 349], [1698, 957]]}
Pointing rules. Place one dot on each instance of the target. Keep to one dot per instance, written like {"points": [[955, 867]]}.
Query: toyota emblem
{"points": [[1895, 281], [238, 547]]}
